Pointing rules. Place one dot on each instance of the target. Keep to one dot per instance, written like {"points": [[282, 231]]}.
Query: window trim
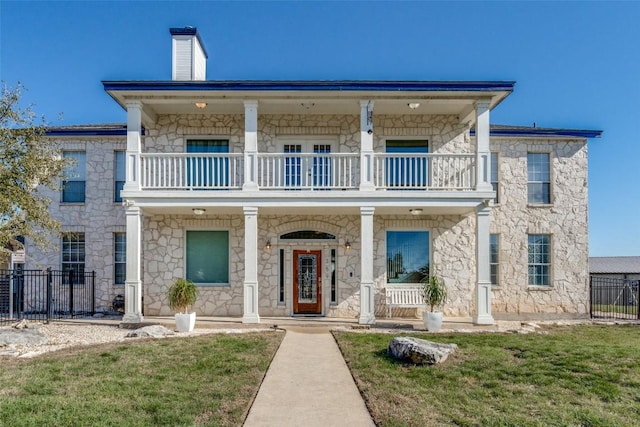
{"points": [[64, 180], [496, 200], [386, 245], [550, 182], [549, 264], [496, 264], [209, 285], [116, 195], [115, 263], [75, 234]]}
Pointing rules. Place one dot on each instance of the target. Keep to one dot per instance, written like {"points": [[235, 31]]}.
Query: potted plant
{"points": [[182, 295], [435, 295]]}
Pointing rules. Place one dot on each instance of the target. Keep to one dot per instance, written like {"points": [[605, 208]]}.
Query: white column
{"points": [[483, 169], [134, 145], [366, 145], [367, 303], [250, 145], [250, 266], [133, 284], [483, 267]]}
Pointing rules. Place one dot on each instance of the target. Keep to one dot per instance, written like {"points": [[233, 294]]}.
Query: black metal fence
{"points": [[615, 299], [45, 294]]}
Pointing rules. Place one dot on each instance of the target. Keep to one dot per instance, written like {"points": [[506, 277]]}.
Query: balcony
{"points": [[309, 172]]}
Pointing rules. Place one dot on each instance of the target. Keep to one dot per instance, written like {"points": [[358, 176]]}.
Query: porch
{"points": [[299, 171]]}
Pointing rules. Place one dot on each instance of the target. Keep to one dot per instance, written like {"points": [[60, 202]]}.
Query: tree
{"points": [[30, 163]]}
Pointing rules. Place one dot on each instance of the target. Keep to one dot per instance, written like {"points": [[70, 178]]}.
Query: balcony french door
{"points": [[308, 165]]}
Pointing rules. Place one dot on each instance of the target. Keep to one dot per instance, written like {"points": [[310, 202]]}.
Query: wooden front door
{"points": [[307, 282]]}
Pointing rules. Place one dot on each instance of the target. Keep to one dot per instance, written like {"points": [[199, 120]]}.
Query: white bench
{"points": [[405, 296]]}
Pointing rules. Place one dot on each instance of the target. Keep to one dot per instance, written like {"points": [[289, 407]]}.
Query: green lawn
{"points": [[204, 381], [574, 376]]}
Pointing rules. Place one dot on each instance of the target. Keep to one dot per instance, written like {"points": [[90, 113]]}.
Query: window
{"points": [[207, 257], [407, 256], [73, 187], [410, 167], [334, 290], [119, 175], [494, 250], [120, 258], [494, 177], [73, 255], [539, 178], [210, 170], [281, 277], [539, 260]]}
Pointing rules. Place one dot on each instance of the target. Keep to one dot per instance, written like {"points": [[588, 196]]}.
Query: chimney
{"points": [[189, 60]]}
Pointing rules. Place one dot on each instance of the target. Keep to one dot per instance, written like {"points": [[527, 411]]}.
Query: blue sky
{"points": [[576, 64]]}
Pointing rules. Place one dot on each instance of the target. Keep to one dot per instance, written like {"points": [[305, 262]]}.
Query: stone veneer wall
{"points": [[453, 237], [444, 133], [164, 259], [99, 217], [565, 220]]}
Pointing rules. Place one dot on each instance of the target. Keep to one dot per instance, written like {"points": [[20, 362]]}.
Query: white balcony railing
{"points": [[302, 171], [186, 171], [424, 171], [316, 171]]}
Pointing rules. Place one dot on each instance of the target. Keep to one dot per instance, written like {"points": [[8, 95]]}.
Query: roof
{"points": [[120, 129], [312, 85], [615, 264], [98, 129], [533, 131]]}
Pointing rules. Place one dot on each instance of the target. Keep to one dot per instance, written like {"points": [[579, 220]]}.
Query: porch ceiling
{"points": [[313, 205]]}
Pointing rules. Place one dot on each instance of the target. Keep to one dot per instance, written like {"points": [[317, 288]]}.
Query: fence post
{"points": [[638, 299], [71, 293], [49, 296], [93, 292], [591, 297]]}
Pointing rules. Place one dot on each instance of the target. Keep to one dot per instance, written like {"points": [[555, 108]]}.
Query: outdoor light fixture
{"points": [[198, 211], [268, 245], [413, 105], [201, 105], [415, 212], [347, 245]]}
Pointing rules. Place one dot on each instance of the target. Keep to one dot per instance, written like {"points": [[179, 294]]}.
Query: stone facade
{"points": [[453, 237], [565, 220], [99, 217]]}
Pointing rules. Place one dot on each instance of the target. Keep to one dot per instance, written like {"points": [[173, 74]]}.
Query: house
{"points": [[616, 267], [285, 198]]}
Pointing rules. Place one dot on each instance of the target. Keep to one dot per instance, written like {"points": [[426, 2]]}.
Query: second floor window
{"points": [[494, 177], [73, 186], [538, 178], [119, 175]]}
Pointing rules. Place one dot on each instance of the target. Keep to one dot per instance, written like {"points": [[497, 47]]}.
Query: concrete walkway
{"points": [[308, 384]]}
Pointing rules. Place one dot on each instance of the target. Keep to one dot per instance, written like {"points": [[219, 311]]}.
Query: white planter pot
{"points": [[185, 322], [432, 321]]}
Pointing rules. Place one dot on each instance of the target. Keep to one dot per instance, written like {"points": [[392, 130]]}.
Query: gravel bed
{"points": [[64, 335]]}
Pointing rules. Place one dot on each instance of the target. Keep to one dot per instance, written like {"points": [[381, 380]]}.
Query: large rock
{"points": [[22, 336], [153, 331], [419, 351]]}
